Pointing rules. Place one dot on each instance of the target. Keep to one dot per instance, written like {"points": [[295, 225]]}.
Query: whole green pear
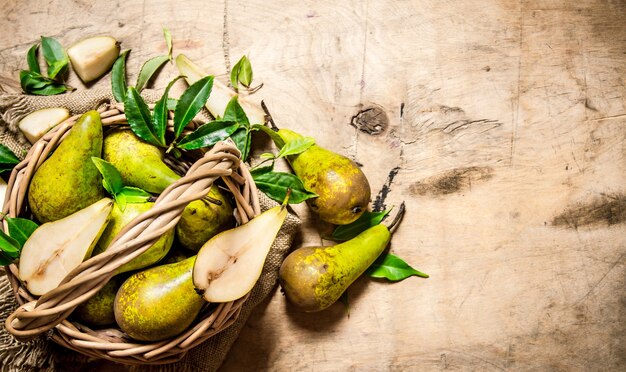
{"points": [[140, 163], [68, 181], [342, 188], [98, 310], [202, 219], [313, 278], [119, 219], [159, 302]]}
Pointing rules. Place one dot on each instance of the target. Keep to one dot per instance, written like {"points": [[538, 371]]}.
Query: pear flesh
{"points": [[220, 94], [39, 122], [56, 248], [229, 264], [68, 180], [93, 57], [313, 278]]}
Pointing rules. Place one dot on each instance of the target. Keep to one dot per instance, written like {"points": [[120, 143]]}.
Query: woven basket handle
{"points": [[36, 317]]}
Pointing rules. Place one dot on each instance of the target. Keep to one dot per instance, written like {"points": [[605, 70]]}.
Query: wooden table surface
{"points": [[501, 124]]}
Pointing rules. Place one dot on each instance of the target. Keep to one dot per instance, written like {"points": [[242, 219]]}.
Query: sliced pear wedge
{"points": [[56, 248], [38, 123], [93, 57], [220, 94], [230, 263]]}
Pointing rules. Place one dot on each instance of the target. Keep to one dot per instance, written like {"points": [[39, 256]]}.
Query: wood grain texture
{"points": [[502, 124]]}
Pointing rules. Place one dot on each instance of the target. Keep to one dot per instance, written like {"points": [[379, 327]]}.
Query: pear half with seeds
{"points": [[230, 263], [56, 248]]}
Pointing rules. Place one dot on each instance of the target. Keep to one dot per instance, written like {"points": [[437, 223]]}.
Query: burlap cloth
{"points": [[44, 355]]}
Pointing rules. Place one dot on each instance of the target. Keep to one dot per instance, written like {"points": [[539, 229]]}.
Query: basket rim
{"points": [[49, 312]]}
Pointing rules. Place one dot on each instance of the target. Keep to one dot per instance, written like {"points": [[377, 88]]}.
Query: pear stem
{"points": [[269, 117], [396, 220], [286, 201]]}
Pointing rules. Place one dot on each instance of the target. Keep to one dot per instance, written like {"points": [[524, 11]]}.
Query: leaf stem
{"points": [[268, 117]]}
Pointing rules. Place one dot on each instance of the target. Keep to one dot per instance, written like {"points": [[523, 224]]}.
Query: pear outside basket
{"points": [[49, 313]]}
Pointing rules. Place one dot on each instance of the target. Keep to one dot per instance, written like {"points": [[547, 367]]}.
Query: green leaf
{"points": [[270, 132], [261, 170], [267, 156], [55, 56], [168, 41], [208, 135], [160, 115], [242, 138], [242, 73], [134, 194], [139, 118], [149, 68], [276, 184], [21, 228], [297, 146], [35, 83], [392, 268], [31, 59], [118, 77], [5, 261], [191, 102], [111, 177], [234, 112], [10, 247], [51, 90], [7, 157], [367, 220]]}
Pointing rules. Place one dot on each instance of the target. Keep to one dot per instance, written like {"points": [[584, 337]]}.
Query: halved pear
{"points": [[56, 248], [38, 123], [230, 263], [93, 57], [220, 93]]}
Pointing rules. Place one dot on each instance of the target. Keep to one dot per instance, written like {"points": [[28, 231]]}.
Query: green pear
{"points": [[140, 163], [202, 219], [342, 188], [158, 303], [313, 278], [68, 181], [119, 219], [98, 310]]}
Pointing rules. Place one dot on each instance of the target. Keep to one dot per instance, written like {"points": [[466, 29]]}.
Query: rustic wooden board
{"points": [[502, 124]]}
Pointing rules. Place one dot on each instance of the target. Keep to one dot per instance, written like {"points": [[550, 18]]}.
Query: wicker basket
{"points": [[49, 312]]}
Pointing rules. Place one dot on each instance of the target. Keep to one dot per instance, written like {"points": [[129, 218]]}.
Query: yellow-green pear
{"points": [[68, 181], [158, 303], [119, 219], [342, 188], [140, 163], [202, 219], [98, 310], [313, 278]]}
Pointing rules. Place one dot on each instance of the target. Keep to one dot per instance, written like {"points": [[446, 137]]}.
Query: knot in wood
{"points": [[372, 120]]}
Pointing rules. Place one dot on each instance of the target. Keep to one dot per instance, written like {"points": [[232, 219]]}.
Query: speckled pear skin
{"points": [[202, 219], [313, 278], [342, 188], [98, 310], [68, 180], [119, 219], [140, 163], [159, 302]]}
